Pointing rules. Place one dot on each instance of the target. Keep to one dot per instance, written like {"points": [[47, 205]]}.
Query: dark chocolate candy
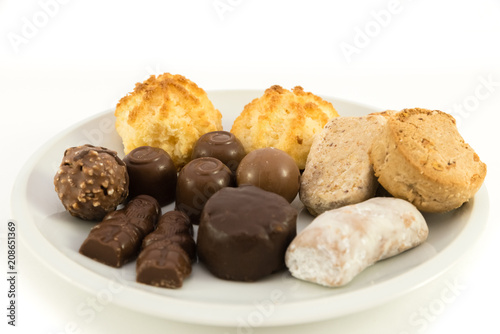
{"points": [[91, 181], [151, 172], [164, 265], [197, 181], [117, 239], [167, 253], [221, 145], [244, 233], [270, 169], [174, 225]]}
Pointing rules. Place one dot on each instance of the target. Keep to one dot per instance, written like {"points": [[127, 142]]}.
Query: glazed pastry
{"points": [[341, 243]]}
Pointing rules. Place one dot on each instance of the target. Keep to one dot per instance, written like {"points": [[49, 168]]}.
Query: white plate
{"points": [[55, 237]]}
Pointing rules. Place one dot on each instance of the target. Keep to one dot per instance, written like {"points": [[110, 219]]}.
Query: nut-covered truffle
{"points": [[91, 181]]}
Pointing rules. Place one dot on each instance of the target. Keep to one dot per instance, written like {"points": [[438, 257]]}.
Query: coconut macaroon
{"points": [[421, 157], [166, 111], [287, 120]]}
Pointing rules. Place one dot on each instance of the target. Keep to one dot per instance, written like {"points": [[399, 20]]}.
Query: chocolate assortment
{"points": [[167, 252], [197, 181], [270, 169], [117, 238], [244, 233], [151, 172], [91, 181], [222, 145]]}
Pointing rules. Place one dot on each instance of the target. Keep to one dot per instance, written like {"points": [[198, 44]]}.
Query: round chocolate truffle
{"points": [[244, 233], [91, 181], [197, 181], [151, 172], [270, 169], [221, 145]]}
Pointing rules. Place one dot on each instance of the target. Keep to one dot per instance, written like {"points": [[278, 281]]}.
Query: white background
{"points": [[63, 61]]}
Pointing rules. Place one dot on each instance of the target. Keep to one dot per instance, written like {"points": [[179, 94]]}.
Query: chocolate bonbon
{"points": [[151, 172], [91, 181], [270, 169], [197, 181], [244, 233], [221, 145], [117, 238], [175, 226], [167, 252]]}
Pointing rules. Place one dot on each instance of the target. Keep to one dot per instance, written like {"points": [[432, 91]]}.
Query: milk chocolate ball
{"points": [[152, 172], [197, 182], [270, 169], [221, 145]]}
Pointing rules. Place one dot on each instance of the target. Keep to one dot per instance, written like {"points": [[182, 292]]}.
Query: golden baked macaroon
{"points": [[166, 111], [421, 157], [287, 120]]}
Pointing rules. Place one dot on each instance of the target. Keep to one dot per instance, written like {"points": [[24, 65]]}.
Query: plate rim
{"points": [[322, 306]]}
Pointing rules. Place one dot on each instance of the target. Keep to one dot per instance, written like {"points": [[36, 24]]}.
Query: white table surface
{"points": [[63, 61]]}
